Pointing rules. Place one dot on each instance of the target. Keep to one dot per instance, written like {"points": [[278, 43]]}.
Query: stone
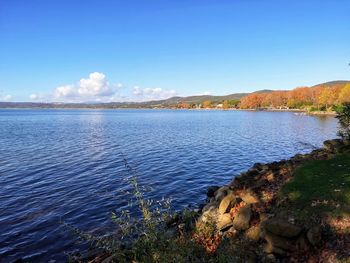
{"points": [[281, 228], [278, 242], [333, 144], [224, 221], [270, 177], [211, 191], [249, 197], [242, 218], [209, 215], [209, 206], [221, 193], [263, 217], [227, 203], [253, 233], [269, 248], [314, 236]]}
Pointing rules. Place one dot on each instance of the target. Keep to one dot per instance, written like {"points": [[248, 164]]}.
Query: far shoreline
{"points": [[301, 111]]}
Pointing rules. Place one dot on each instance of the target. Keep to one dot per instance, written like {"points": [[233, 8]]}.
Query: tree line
{"points": [[314, 98]]}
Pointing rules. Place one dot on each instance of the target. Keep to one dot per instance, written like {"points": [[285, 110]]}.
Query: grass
{"points": [[321, 188]]}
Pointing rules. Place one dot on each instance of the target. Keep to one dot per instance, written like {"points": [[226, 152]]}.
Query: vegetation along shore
{"points": [[295, 210]]}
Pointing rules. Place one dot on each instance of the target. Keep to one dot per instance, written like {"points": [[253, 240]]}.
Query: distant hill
{"points": [[332, 83], [149, 104]]}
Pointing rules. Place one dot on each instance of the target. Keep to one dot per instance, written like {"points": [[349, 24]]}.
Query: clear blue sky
{"points": [[152, 49]]}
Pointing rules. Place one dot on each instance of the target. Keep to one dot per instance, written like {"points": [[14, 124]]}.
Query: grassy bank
{"points": [[321, 188]]}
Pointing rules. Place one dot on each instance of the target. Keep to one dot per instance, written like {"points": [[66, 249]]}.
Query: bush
{"points": [[343, 115]]}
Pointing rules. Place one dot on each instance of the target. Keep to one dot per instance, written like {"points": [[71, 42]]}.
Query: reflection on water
{"points": [[67, 164]]}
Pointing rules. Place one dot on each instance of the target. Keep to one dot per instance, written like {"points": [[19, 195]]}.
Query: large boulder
{"points": [[227, 203], [281, 228], [242, 218]]}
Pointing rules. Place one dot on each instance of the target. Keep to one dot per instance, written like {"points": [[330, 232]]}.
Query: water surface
{"points": [[68, 164]]}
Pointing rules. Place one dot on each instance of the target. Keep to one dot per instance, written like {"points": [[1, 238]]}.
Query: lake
{"points": [[67, 165]]}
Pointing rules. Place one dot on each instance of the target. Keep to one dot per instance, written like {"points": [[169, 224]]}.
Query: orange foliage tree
{"points": [[301, 97]]}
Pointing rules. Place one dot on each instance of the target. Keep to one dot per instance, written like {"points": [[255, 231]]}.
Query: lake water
{"points": [[68, 165]]}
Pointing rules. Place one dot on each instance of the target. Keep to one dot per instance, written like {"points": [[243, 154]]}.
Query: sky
{"points": [[83, 51]]}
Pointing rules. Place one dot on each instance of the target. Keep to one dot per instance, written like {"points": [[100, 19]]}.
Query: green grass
{"points": [[321, 187]]}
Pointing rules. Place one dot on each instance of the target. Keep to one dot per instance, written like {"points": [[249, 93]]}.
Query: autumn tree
{"points": [[225, 105], [252, 101], [207, 104], [327, 97], [344, 95]]}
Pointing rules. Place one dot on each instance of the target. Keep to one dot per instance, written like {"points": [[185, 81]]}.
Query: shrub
{"points": [[343, 115]]}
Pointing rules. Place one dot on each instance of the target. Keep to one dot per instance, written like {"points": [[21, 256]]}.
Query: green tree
{"points": [[343, 115]]}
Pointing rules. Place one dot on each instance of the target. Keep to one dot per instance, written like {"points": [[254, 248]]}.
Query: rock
{"points": [[249, 197], [269, 248], [314, 236], [263, 217], [227, 203], [333, 145], [221, 193], [242, 218], [281, 228], [209, 206], [270, 177], [253, 233], [209, 215], [278, 242], [211, 191], [224, 221]]}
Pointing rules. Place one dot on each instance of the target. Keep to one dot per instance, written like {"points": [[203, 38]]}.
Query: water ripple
{"points": [[68, 165]]}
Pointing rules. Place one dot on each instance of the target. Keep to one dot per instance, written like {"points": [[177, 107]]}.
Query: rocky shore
{"points": [[252, 220], [248, 209]]}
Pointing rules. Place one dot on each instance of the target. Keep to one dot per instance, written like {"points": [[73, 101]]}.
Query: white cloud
{"points": [[93, 88], [67, 91], [6, 98], [205, 93], [137, 91], [152, 93], [95, 85], [33, 96], [38, 96]]}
